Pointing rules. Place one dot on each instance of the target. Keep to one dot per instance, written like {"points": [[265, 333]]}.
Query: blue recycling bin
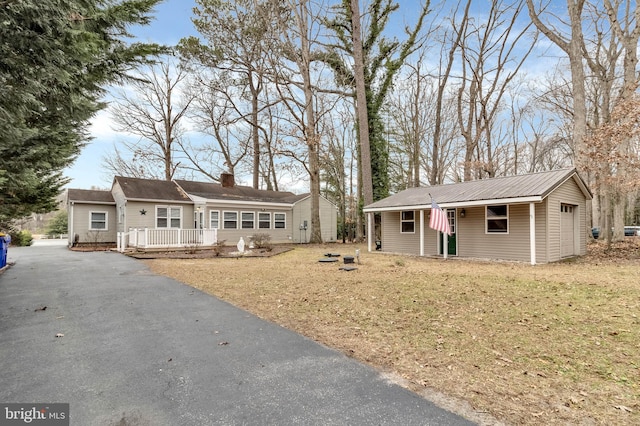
{"points": [[4, 246]]}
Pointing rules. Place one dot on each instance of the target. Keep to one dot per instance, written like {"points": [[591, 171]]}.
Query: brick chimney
{"points": [[227, 180]]}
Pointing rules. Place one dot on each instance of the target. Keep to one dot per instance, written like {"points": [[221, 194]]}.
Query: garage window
{"points": [[497, 219], [407, 222]]}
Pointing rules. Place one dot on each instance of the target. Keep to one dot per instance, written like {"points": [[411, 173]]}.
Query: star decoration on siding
{"points": [[143, 212]]}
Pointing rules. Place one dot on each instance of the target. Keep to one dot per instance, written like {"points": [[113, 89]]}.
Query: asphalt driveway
{"points": [[141, 349]]}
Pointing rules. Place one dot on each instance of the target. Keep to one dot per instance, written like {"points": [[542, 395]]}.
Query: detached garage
{"points": [[535, 218]]}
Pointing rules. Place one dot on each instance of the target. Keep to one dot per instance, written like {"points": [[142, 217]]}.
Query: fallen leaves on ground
{"points": [[548, 344]]}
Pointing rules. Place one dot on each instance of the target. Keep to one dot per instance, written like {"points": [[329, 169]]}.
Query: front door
{"points": [[451, 239]]}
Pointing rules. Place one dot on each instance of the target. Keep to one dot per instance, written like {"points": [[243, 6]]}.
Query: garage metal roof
{"points": [[533, 187]]}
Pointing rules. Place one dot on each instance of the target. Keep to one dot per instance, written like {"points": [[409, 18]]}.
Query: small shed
{"points": [[535, 218]]}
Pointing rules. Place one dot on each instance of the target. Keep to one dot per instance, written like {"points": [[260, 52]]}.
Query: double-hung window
{"points": [[230, 220], [168, 217], [407, 222], [279, 220], [214, 219], [98, 221], [264, 220], [248, 220], [497, 219]]}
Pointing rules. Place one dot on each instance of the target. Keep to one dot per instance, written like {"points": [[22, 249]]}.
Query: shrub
{"points": [[217, 247], [21, 238], [261, 241]]}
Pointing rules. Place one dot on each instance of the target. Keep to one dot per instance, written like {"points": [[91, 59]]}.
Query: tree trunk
{"points": [[361, 105]]}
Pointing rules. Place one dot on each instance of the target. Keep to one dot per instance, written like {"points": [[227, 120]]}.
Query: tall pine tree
{"points": [[382, 59], [56, 57]]}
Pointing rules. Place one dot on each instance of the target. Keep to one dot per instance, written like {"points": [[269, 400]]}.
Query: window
{"points": [[264, 220], [214, 220], [248, 220], [565, 208], [497, 219], [168, 217], [230, 220], [279, 220], [407, 222], [98, 221]]}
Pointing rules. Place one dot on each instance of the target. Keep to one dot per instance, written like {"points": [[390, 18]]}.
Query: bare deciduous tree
{"points": [[492, 52], [152, 111], [572, 45]]}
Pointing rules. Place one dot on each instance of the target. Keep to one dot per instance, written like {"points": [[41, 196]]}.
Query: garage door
{"points": [[567, 232]]}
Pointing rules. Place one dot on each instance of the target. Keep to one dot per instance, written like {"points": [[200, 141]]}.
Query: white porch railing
{"points": [[166, 238]]}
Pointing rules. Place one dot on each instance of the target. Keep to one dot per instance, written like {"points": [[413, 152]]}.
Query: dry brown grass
{"points": [[547, 344]]}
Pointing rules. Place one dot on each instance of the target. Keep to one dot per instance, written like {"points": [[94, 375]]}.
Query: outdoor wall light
{"points": [[462, 213]]}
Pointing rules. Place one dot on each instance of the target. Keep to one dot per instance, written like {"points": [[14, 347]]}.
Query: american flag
{"points": [[439, 220]]}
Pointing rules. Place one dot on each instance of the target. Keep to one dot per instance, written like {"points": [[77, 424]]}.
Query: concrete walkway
{"points": [[142, 349]]}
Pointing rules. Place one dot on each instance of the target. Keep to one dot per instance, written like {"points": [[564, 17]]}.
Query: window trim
{"points": [[496, 218], [411, 221], [224, 219], [283, 220], [106, 220], [253, 220], [217, 220], [268, 221], [169, 217]]}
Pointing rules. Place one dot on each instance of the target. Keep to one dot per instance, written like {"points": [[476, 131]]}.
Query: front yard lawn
{"points": [[546, 344]]}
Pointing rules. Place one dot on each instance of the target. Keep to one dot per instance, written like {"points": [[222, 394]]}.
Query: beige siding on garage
{"points": [[395, 242], [567, 193], [82, 219], [473, 241], [542, 239]]}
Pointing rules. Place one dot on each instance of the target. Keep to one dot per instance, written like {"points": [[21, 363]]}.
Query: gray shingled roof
{"points": [[525, 188], [151, 189], [90, 196], [215, 191]]}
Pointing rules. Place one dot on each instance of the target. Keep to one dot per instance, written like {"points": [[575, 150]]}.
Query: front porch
{"points": [[154, 239]]}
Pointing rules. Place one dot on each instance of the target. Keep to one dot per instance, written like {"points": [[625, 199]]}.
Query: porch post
{"points": [[532, 232], [369, 230], [421, 232], [445, 238]]}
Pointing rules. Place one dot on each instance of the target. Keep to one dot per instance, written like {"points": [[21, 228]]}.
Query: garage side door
{"points": [[567, 233]]}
